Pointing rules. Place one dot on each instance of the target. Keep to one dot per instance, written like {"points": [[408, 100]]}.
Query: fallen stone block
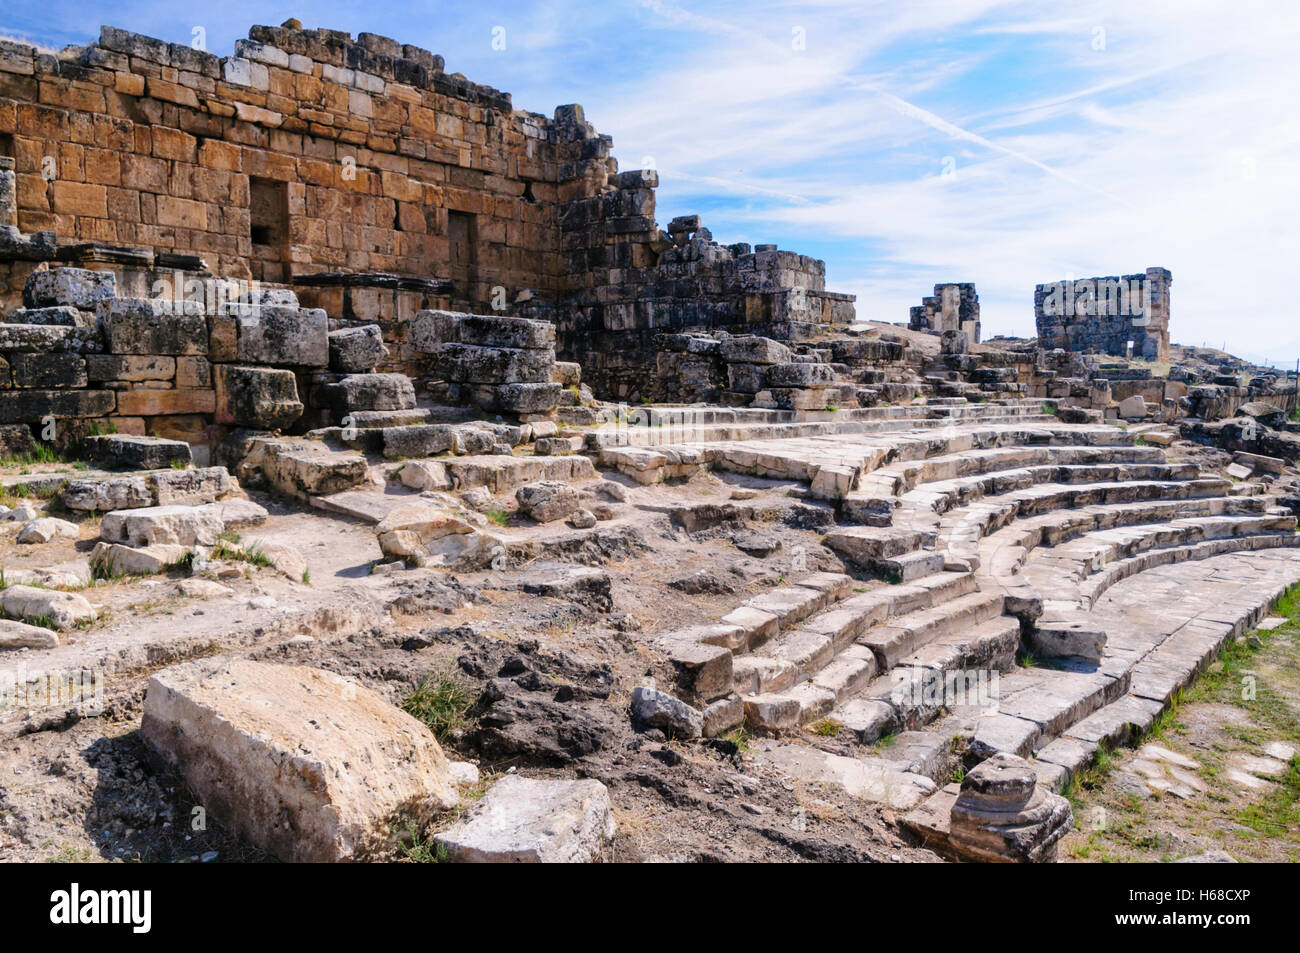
{"points": [[103, 495], [260, 397], [110, 560], [355, 350], [547, 500], [304, 763], [368, 392], [1066, 640], [303, 468], [191, 487], [428, 536], [533, 821], [652, 708], [71, 287], [424, 475], [1002, 814], [128, 452], [20, 635], [64, 609], [46, 529], [181, 525], [754, 350]]}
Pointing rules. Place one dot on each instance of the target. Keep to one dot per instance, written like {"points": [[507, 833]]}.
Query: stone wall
{"points": [[309, 157], [1125, 316], [952, 307]]}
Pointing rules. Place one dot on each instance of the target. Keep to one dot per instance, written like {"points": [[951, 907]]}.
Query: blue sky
{"points": [[1005, 143]]}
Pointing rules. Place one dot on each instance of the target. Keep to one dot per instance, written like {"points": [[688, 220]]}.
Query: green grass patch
{"points": [[827, 727], [442, 701], [499, 515]]}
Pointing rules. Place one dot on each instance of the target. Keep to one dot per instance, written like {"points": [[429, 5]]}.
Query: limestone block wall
{"points": [[952, 307], [79, 353], [1106, 314], [306, 151]]}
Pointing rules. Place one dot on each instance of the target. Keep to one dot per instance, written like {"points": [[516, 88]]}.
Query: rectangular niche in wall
{"points": [[268, 226]]}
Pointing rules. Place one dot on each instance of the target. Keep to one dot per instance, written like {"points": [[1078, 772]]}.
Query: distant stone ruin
{"points": [[952, 307], [1124, 316]]}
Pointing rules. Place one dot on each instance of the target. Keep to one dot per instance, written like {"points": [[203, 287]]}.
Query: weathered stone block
{"points": [[134, 326], [105, 495], [127, 452], [354, 350], [120, 367], [527, 398], [191, 487], [74, 287], [486, 365], [305, 763], [533, 821], [369, 392], [150, 402], [285, 336], [754, 350], [260, 397], [48, 370], [62, 315], [180, 525], [33, 406], [799, 375]]}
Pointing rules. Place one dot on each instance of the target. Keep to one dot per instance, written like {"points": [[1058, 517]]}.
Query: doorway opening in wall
{"points": [[268, 227], [7, 146], [462, 245]]}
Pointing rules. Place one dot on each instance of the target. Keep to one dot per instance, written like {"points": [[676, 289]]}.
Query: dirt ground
{"points": [[547, 680]]}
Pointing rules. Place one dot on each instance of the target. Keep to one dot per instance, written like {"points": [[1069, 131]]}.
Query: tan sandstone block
{"points": [[149, 403]]}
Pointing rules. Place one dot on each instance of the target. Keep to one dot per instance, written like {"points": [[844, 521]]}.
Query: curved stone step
{"points": [[1004, 551]]}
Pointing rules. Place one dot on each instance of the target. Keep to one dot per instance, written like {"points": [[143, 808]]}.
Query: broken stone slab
{"points": [[64, 609], [68, 287], [526, 398], [20, 635], [304, 763], [432, 328], [1003, 814], [368, 392], [103, 495], [655, 709], [129, 452], [180, 525], [191, 487], [356, 350], [428, 536], [46, 529], [473, 364], [533, 821], [547, 500], [306, 468], [870, 779], [286, 560], [261, 397], [1066, 639], [110, 560]]}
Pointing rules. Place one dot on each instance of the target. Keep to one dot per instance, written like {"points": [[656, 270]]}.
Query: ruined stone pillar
{"points": [[8, 193]]}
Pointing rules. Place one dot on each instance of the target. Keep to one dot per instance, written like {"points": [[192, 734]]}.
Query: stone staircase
{"points": [[992, 538]]}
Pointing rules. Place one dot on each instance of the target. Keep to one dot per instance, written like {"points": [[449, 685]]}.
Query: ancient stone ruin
{"points": [[370, 453]]}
